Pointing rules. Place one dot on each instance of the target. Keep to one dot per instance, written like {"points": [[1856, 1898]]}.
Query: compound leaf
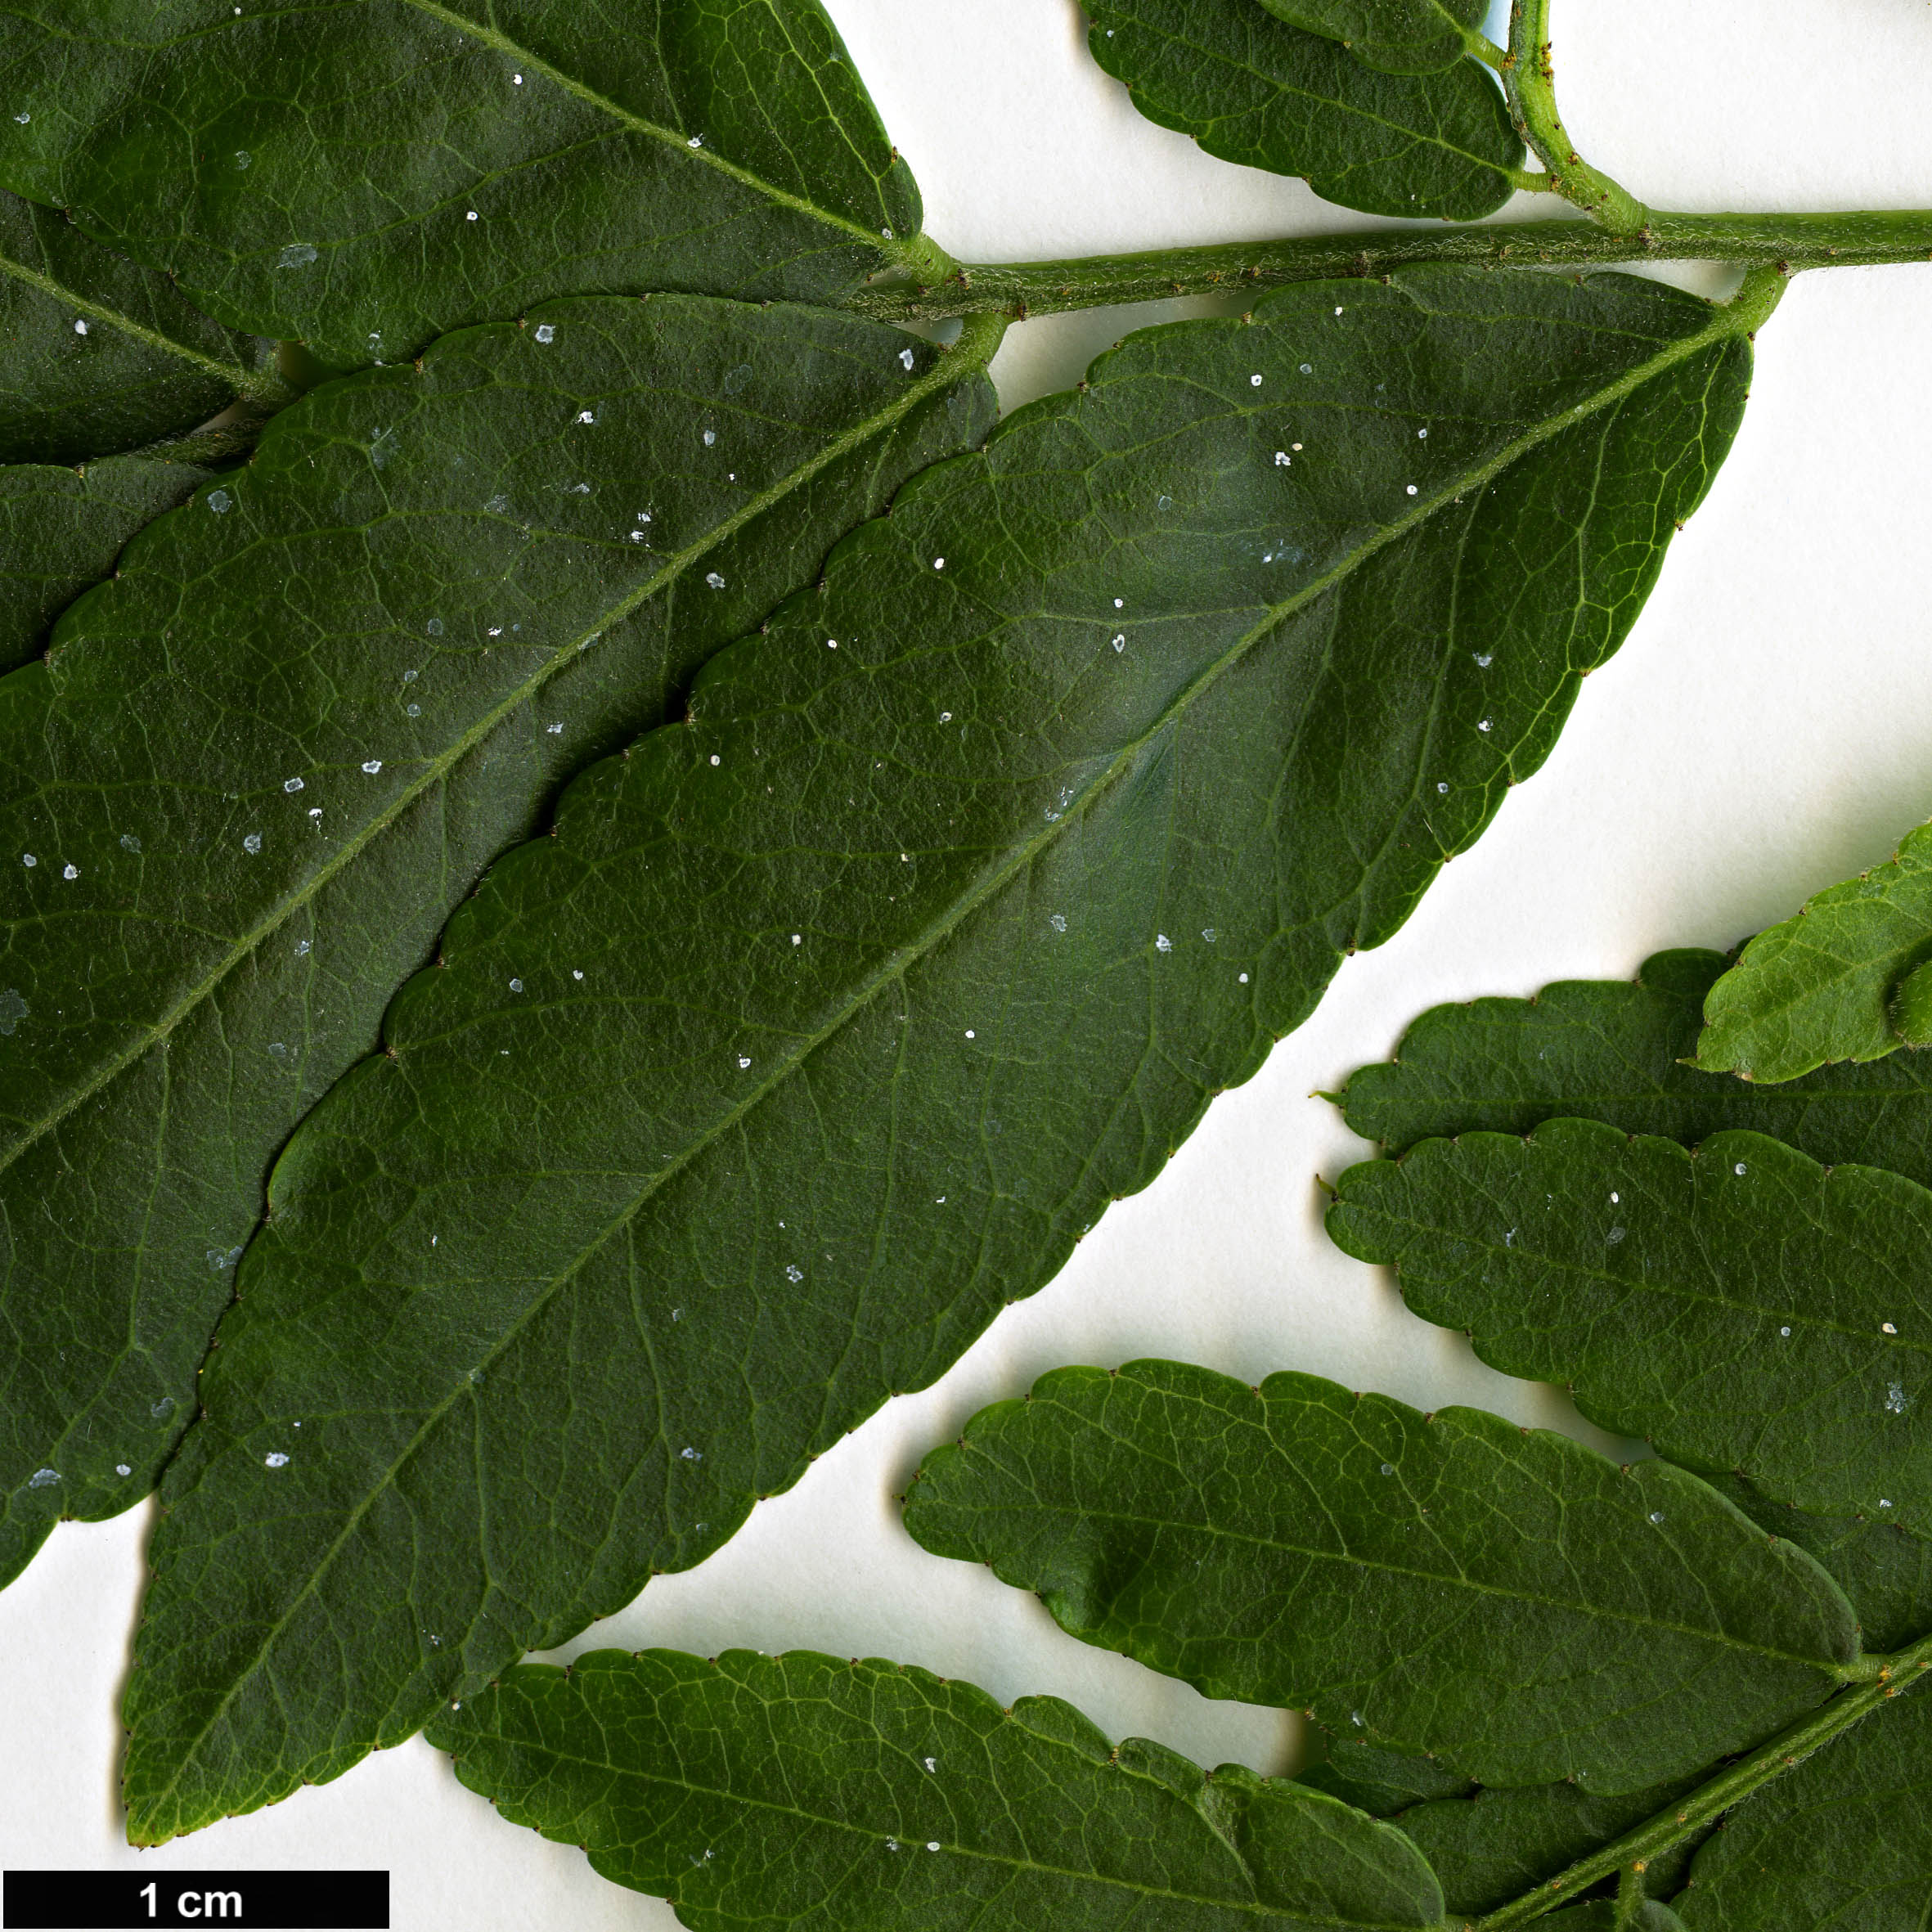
{"points": [[1250, 88], [936, 927], [1404, 36], [101, 355], [60, 531], [258, 769], [1822, 986], [803, 1790], [365, 175], [1615, 1052], [1740, 1307], [1843, 1842], [1503, 1598]]}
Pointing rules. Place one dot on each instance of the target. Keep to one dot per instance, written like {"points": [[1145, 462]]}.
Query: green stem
{"points": [[1529, 81], [1710, 1801], [1021, 289], [1631, 1898]]}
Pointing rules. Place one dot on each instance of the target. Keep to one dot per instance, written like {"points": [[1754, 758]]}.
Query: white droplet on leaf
{"points": [[70, 872], [219, 501], [372, 765], [252, 842], [275, 1459], [547, 332]]}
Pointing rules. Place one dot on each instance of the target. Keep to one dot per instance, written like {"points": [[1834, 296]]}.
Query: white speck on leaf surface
{"points": [[1162, 943], [41, 1479], [547, 332], [219, 501], [274, 1459], [1895, 1400], [516, 985], [70, 872], [252, 842], [372, 765], [123, 1469]]}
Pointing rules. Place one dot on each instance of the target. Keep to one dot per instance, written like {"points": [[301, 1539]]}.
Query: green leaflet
{"points": [[1843, 1844], [1404, 36], [1819, 986], [1614, 1052], [1885, 1570], [260, 767], [1740, 1307], [1382, 1782], [1503, 1598], [100, 355], [60, 531], [1494, 1847], [803, 1790], [1251, 89], [722, 146], [1189, 712]]}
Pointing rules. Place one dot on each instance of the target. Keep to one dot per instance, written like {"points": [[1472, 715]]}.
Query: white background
{"points": [[1767, 730]]}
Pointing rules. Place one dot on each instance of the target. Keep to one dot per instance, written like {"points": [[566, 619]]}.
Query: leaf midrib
{"points": [[1458, 1579], [1672, 1288], [1283, 1914], [945, 371], [638, 123], [1722, 326], [242, 380]]}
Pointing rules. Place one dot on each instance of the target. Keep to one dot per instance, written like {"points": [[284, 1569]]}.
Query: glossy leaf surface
{"points": [[60, 531], [364, 175], [1404, 36], [259, 768], [1614, 1051], [1251, 89], [1821, 987], [803, 1790], [937, 926], [1740, 1307], [1843, 1844], [1503, 1598], [102, 356]]}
